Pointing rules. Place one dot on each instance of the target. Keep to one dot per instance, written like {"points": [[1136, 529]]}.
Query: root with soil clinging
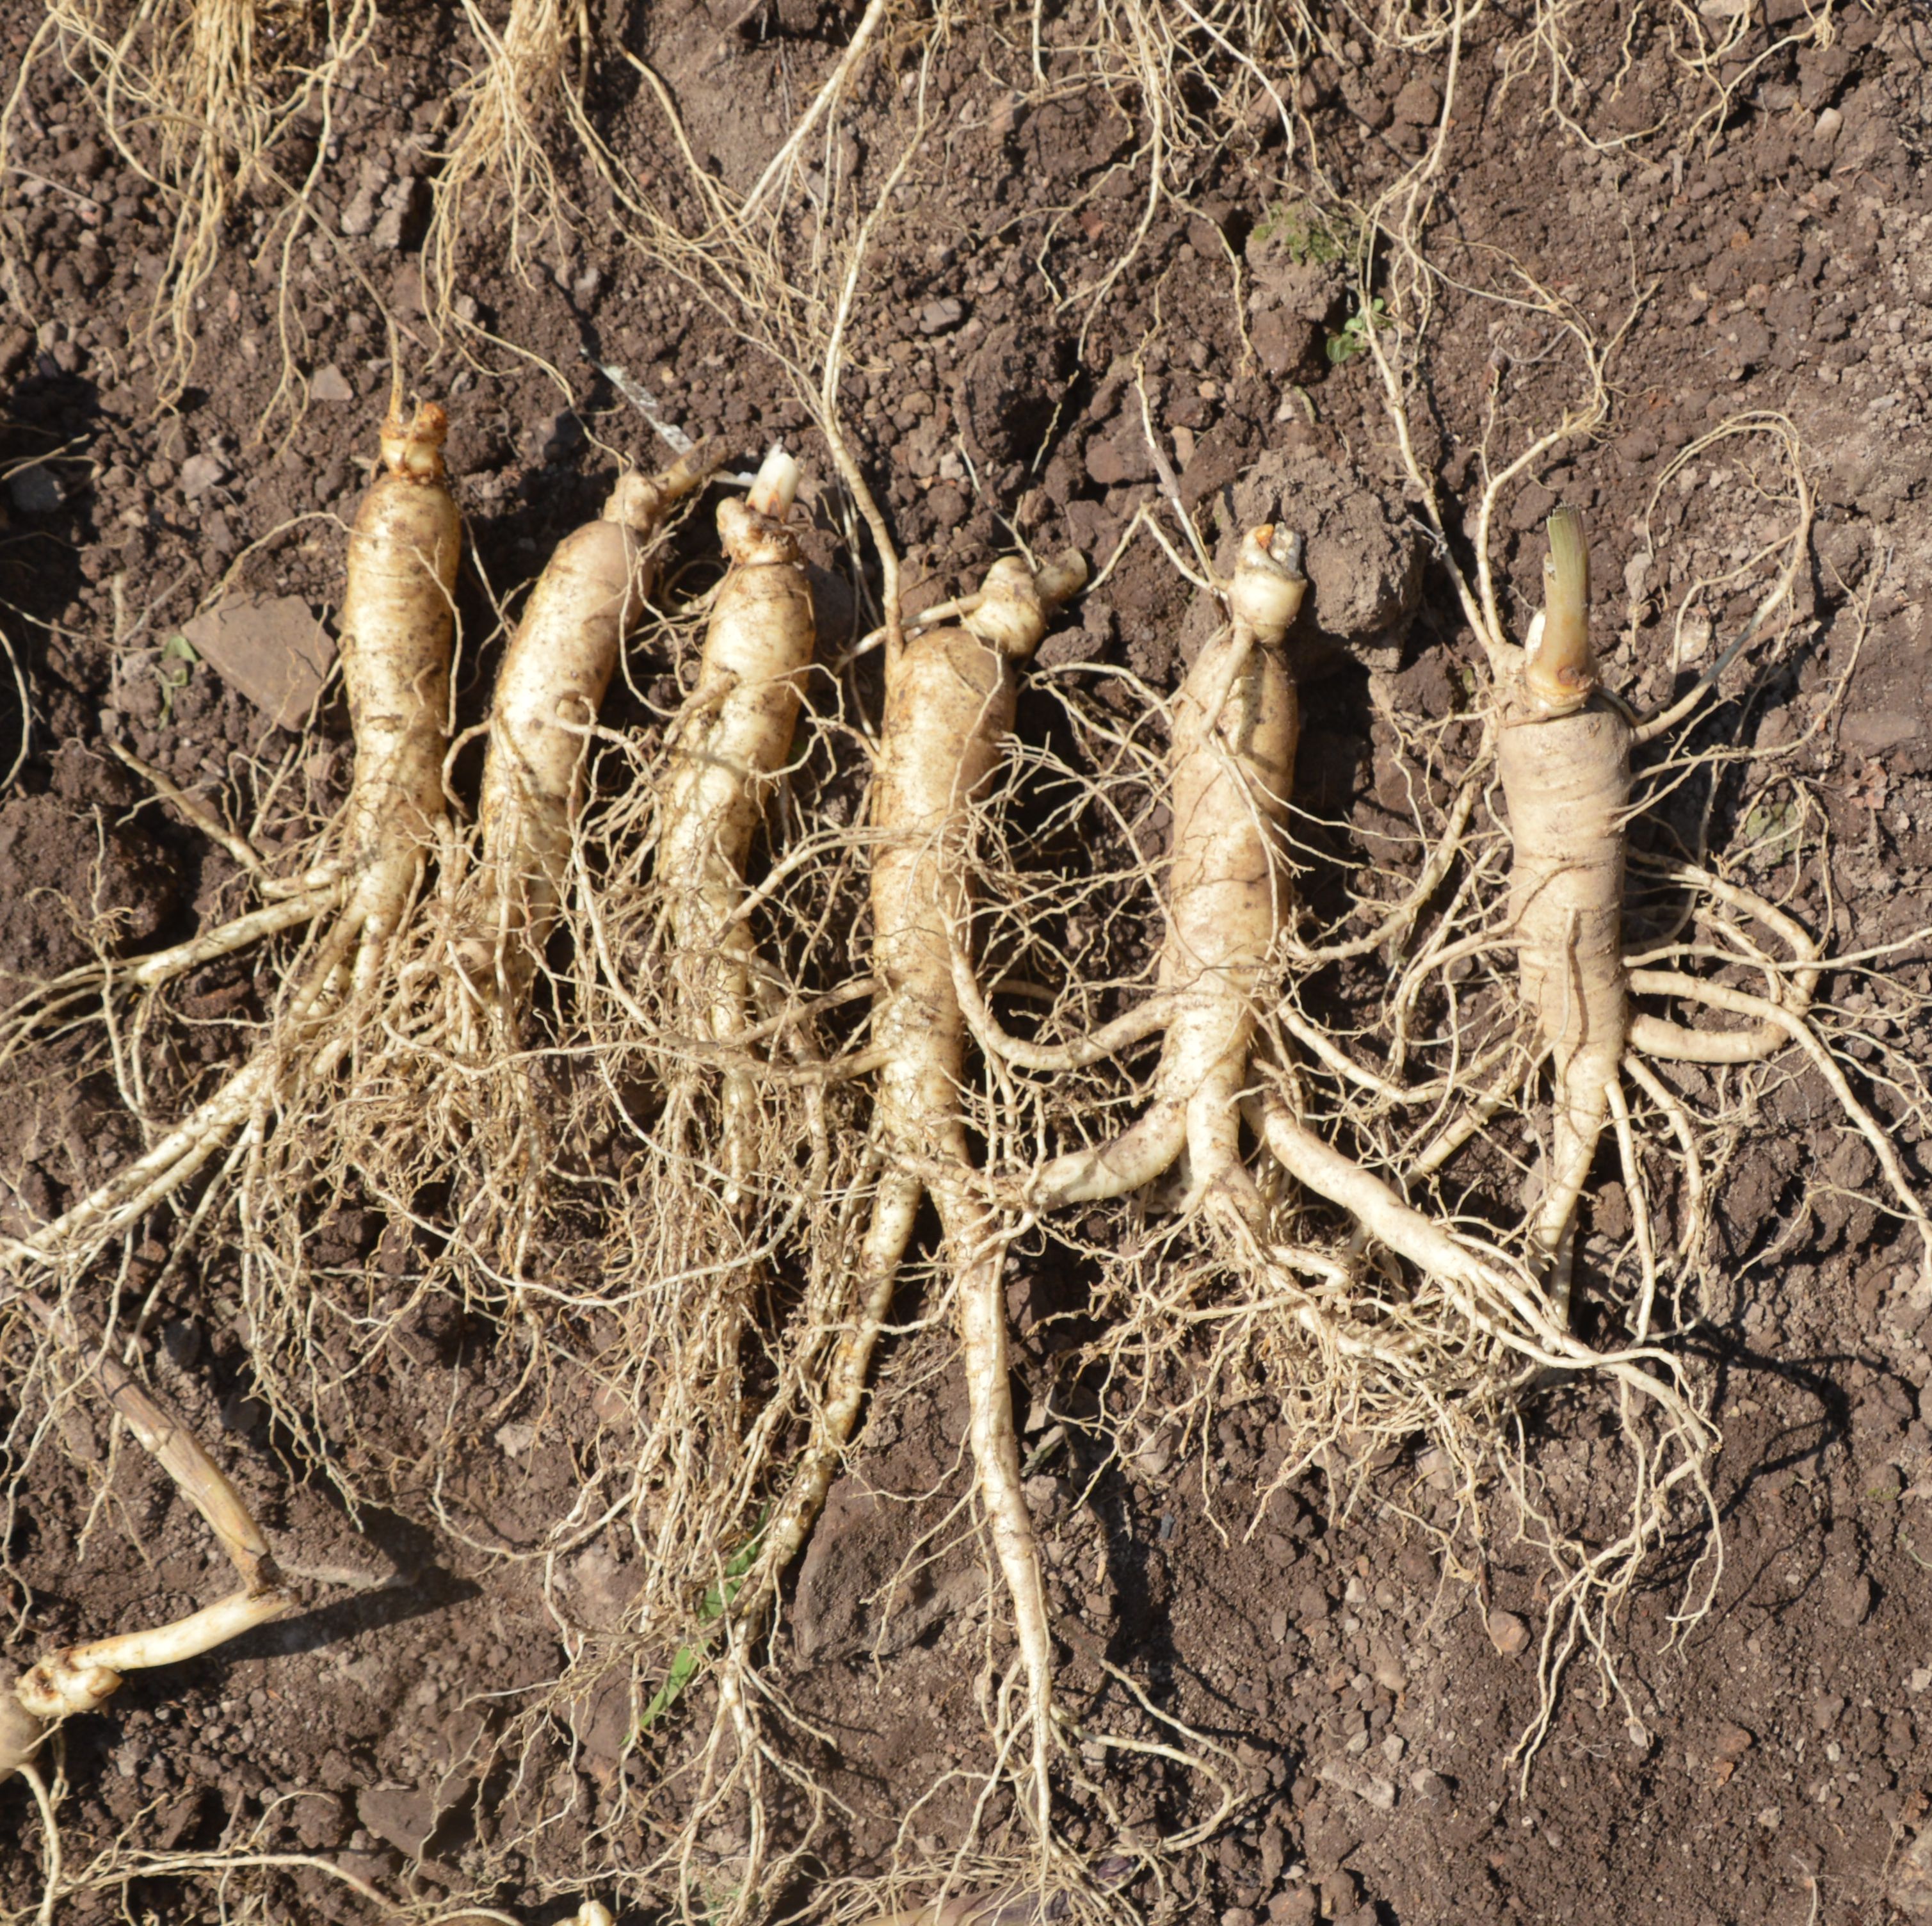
{"points": [[949, 705], [397, 623]]}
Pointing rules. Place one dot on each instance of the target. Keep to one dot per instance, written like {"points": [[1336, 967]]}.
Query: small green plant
{"points": [[686, 1659], [1303, 233], [176, 670], [1771, 828], [1352, 337]]}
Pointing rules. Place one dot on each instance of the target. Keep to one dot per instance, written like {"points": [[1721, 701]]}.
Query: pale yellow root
{"points": [[1563, 754], [1231, 766], [734, 735], [79, 1677], [949, 704], [550, 687], [397, 622]]}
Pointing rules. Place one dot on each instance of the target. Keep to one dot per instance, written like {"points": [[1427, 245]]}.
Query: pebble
{"points": [[1734, 1741], [1123, 458], [938, 318], [1375, 1791], [200, 472], [35, 490], [274, 650], [329, 383], [1851, 1603], [1417, 104], [1507, 1632]]}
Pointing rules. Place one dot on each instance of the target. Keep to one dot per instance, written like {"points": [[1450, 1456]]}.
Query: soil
{"points": [[1767, 1762]]}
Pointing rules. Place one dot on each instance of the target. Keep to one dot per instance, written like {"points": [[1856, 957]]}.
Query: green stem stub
{"points": [[1560, 672]]}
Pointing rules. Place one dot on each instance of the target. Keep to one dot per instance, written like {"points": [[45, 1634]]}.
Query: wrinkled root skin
{"points": [[1566, 783]]}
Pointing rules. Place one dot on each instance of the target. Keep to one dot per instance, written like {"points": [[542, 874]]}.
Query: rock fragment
{"points": [[275, 650]]}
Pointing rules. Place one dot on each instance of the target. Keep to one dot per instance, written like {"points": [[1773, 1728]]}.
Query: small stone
{"points": [[1507, 1632], [1124, 457], [515, 1438], [200, 472], [1295, 1907], [554, 435], [1376, 1792], [242, 1414], [35, 490], [940, 317], [1734, 1741], [404, 1815], [1911, 1888], [370, 1867], [319, 1820], [1851, 1603], [398, 216], [1431, 1788], [274, 651], [329, 383], [1417, 104], [359, 216], [1919, 1679]]}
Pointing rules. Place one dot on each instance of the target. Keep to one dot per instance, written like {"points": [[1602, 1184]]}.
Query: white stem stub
{"points": [[775, 484]]}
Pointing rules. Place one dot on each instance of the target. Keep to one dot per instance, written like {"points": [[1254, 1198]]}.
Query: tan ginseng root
{"points": [[550, 687], [397, 623], [950, 698], [734, 733], [79, 1678], [1563, 755]]}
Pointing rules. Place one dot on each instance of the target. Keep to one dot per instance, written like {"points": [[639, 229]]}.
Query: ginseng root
{"points": [[397, 625], [79, 1677], [734, 734], [549, 689], [950, 698], [1231, 762], [1563, 753]]}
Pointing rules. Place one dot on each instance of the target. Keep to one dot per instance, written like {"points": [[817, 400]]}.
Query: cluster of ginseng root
{"points": [[776, 998]]}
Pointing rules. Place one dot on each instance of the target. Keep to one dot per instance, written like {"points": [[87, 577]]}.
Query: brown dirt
{"points": [[1780, 1759]]}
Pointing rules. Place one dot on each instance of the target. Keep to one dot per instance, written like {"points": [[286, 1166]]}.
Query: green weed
{"points": [[687, 1658], [1352, 338], [1303, 233]]}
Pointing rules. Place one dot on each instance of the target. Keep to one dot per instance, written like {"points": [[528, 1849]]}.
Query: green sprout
{"points": [[1353, 336], [1303, 234], [716, 1601], [176, 670]]}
